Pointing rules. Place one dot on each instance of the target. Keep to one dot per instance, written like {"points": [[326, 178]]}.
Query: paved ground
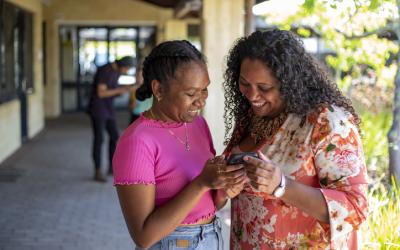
{"points": [[48, 200]]}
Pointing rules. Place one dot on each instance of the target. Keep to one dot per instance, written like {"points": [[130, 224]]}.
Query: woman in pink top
{"points": [[164, 169], [308, 190]]}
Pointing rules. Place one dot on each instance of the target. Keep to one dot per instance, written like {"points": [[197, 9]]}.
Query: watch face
{"points": [[279, 191]]}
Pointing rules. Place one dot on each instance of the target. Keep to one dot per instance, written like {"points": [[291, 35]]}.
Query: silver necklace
{"points": [[185, 143]]}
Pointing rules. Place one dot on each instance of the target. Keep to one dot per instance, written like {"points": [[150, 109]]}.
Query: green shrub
{"points": [[374, 129]]}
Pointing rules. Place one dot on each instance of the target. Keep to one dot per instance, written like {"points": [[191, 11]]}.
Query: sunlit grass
{"points": [[382, 228]]}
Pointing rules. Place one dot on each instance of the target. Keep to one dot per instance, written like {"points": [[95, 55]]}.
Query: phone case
{"points": [[238, 158]]}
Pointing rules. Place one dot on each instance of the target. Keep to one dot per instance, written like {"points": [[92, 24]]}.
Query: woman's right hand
{"points": [[235, 190], [217, 175]]}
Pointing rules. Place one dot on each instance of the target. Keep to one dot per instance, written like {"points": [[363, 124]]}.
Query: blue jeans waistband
{"points": [[194, 230], [199, 237]]}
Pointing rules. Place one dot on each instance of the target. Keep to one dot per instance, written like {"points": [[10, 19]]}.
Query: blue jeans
{"points": [[199, 237]]}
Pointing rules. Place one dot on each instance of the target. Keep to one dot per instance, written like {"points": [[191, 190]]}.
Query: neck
{"points": [[274, 115], [271, 117], [262, 128], [157, 114]]}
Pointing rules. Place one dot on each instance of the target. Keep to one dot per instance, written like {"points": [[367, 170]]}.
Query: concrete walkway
{"points": [[48, 200]]}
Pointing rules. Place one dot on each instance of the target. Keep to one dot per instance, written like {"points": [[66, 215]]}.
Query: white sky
{"points": [[278, 7]]}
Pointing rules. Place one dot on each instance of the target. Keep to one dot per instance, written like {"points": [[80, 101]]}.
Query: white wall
{"points": [[10, 132], [223, 23]]}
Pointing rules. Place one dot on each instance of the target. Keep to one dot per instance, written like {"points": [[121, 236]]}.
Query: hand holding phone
{"points": [[235, 159]]}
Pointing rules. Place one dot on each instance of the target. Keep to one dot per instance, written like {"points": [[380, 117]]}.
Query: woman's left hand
{"points": [[264, 175], [233, 190]]}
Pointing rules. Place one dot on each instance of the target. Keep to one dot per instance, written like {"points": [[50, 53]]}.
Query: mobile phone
{"points": [[238, 158]]}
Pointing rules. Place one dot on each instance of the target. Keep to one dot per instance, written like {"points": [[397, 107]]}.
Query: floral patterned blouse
{"points": [[323, 151]]}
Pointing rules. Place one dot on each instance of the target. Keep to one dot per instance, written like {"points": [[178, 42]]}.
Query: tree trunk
{"points": [[394, 132]]}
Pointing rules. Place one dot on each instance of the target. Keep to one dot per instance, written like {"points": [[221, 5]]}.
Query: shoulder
{"points": [[103, 72], [330, 120], [331, 115], [139, 131], [104, 68], [200, 121]]}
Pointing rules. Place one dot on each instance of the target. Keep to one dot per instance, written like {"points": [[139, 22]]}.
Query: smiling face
{"points": [[261, 88], [185, 95]]}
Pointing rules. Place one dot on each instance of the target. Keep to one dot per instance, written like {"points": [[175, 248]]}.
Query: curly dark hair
{"points": [[304, 84], [162, 63]]}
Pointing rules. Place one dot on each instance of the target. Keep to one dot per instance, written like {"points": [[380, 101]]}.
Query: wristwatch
{"points": [[280, 189]]}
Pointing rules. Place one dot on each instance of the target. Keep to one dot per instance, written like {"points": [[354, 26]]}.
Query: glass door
{"points": [[93, 52], [123, 41], [69, 68], [83, 49]]}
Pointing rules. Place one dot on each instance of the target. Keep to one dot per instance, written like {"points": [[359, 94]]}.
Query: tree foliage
{"points": [[352, 30], [361, 46]]}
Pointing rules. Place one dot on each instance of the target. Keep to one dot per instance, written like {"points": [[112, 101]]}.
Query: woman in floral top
{"points": [[308, 189]]}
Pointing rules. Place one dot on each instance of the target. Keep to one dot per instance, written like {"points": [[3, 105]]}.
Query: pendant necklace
{"points": [[185, 143]]}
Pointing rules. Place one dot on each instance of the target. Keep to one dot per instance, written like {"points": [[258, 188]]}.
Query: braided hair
{"points": [[163, 62], [304, 85]]}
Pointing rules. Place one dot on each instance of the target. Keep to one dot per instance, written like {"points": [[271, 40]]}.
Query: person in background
{"points": [[307, 189], [165, 172], [136, 106], [105, 89]]}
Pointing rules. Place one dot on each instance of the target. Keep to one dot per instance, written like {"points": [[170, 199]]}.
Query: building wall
{"points": [[175, 29], [10, 131], [91, 12], [223, 23]]}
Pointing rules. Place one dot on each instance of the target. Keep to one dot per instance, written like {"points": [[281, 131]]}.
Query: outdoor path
{"points": [[48, 200]]}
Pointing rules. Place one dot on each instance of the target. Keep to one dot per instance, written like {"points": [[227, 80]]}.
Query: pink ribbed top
{"points": [[147, 153]]}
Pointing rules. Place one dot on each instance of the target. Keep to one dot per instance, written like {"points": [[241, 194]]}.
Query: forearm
{"points": [[308, 199], [166, 218], [105, 93], [220, 198]]}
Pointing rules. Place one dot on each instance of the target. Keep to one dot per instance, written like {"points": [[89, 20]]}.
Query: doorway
{"points": [[84, 48]]}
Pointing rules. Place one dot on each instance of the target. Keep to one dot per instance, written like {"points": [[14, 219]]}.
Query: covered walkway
{"points": [[48, 199]]}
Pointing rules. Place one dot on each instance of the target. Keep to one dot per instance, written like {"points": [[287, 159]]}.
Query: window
{"points": [[16, 52]]}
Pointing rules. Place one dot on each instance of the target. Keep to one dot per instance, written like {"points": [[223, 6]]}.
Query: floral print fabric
{"points": [[323, 151]]}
